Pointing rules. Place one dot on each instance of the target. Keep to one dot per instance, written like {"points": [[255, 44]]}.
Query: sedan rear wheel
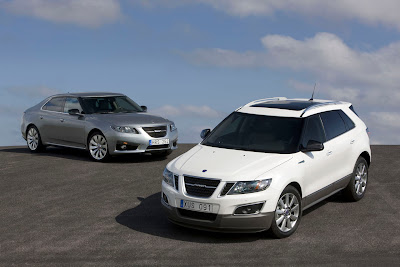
{"points": [[98, 147], [33, 139]]}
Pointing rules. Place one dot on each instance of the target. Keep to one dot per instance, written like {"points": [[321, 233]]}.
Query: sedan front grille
{"points": [[200, 187], [156, 132]]}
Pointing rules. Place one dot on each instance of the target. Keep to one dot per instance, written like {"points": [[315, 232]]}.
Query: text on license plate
{"points": [[197, 206], [156, 142]]}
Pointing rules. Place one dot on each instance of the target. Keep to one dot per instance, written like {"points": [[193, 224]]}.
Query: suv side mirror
{"points": [[313, 145], [144, 108], [74, 111], [205, 133]]}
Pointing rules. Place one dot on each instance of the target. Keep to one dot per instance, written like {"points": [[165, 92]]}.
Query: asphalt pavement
{"points": [[60, 208]]}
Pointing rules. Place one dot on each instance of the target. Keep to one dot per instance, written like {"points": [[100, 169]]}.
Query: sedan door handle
{"points": [[329, 153], [62, 120]]}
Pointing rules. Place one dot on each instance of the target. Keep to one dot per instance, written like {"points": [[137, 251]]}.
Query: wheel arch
{"points": [[297, 186], [29, 126], [366, 156]]}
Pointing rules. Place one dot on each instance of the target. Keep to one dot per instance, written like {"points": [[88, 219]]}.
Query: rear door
{"points": [[49, 117], [337, 146], [72, 127]]}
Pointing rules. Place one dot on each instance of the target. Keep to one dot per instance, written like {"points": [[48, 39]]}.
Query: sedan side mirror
{"points": [[313, 145], [74, 111], [144, 108], [205, 133]]}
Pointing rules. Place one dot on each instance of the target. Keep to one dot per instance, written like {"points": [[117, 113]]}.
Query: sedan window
{"points": [[72, 103], [55, 104]]}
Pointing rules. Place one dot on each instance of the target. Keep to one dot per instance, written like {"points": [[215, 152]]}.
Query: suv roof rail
{"points": [[266, 100], [319, 105]]}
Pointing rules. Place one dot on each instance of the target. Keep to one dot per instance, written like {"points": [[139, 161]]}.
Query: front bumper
{"points": [[222, 218], [222, 223], [138, 143]]}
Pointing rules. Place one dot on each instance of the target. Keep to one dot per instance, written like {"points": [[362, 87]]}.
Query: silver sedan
{"points": [[105, 124]]}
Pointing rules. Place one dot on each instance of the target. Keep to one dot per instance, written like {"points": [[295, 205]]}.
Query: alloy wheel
{"points": [[98, 147], [33, 139], [360, 180], [287, 212]]}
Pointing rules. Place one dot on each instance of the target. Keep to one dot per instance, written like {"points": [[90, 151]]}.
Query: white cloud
{"points": [[343, 73], [88, 13], [372, 12], [188, 111]]}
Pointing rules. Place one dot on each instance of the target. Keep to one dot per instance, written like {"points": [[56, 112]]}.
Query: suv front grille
{"points": [[197, 215], [159, 131], [200, 187]]}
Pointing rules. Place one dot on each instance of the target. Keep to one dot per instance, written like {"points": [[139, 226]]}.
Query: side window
{"points": [[352, 109], [72, 103], [314, 130], [333, 124], [349, 123], [55, 104]]}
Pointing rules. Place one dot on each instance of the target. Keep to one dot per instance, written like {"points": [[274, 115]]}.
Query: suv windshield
{"points": [[114, 104], [257, 133]]}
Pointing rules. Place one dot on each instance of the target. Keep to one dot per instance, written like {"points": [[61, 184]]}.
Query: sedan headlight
{"points": [[250, 186], [124, 129], [172, 127], [168, 177]]}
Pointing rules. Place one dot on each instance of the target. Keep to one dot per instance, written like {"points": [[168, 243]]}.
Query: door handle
{"points": [[352, 142], [62, 120], [329, 153]]}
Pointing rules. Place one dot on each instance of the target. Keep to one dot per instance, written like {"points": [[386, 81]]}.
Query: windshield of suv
{"points": [[257, 133], [113, 104]]}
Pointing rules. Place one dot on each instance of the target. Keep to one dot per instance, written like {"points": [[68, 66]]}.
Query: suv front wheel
{"points": [[287, 213]]}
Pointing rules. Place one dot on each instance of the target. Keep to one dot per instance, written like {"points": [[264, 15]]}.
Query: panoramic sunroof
{"points": [[287, 104]]}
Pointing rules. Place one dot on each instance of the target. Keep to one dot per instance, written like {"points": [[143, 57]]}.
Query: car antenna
{"points": [[312, 96]]}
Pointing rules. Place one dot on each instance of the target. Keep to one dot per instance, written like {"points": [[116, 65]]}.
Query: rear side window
{"points": [[349, 123], [55, 104], [333, 124], [352, 109], [314, 130]]}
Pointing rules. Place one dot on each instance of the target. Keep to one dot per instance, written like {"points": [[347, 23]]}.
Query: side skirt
{"points": [[326, 192]]}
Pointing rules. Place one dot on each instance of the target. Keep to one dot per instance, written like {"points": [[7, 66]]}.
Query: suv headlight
{"points": [[124, 129], [250, 186], [168, 177], [172, 127]]}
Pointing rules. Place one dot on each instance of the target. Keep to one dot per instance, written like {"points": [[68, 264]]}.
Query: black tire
{"points": [[33, 140], [98, 147], [288, 214], [162, 153], [357, 186]]}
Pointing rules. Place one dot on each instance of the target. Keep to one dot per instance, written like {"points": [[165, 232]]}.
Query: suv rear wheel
{"points": [[357, 186]]}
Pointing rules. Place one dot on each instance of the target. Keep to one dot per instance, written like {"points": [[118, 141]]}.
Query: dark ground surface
{"points": [[60, 208]]}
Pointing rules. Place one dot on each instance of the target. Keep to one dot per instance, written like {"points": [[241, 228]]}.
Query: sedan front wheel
{"points": [[98, 147]]}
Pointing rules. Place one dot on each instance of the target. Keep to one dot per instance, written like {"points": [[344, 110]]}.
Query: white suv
{"points": [[266, 163]]}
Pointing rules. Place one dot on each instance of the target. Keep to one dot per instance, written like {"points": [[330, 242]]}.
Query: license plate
{"points": [[157, 142], [196, 206]]}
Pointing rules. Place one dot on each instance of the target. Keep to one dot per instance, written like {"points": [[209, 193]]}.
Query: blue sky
{"points": [[195, 61]]}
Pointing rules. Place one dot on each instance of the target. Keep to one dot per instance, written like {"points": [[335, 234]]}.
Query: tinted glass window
{"points": [[349, 123], [55, 104], [115, 104], [333, 124], [257, 133], [72, 103], [313, 131], [352, 109]]}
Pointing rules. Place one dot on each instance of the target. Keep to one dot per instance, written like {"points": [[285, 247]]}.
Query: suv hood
{"points": [[226, 164], [126, 119]]}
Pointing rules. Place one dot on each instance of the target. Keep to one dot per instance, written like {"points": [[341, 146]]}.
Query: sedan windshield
{"points": [[114, 104], [257, 133]]}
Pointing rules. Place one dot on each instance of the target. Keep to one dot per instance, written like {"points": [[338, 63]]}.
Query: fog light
{"points": [[165, 198], [123, 147], [249, 209]]}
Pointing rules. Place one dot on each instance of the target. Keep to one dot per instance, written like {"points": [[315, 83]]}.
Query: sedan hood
{"points": [[126, 119], [226, 164]]}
